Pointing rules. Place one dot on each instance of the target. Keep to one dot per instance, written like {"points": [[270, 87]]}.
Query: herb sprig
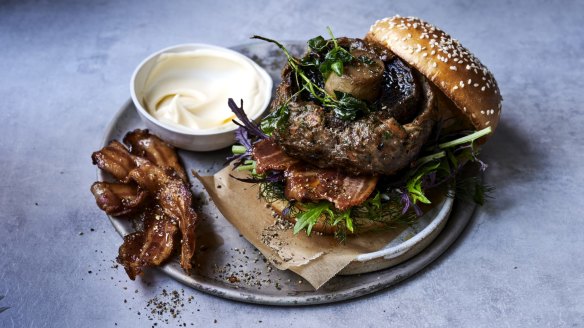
{"points": [[442, 166], [334, 58]]}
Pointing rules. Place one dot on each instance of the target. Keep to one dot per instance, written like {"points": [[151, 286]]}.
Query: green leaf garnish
{"points": [[308, 218], [442, 164], [414, 184], [318, 44], [337, 67], [330, 57], [334, 61], [349, 107], [275, 120]]}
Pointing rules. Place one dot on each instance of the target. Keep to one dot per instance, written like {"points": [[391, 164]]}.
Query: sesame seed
{"points": [[453, 68]]}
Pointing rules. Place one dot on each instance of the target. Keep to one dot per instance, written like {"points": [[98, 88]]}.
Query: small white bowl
{"points": [[197, 140]]}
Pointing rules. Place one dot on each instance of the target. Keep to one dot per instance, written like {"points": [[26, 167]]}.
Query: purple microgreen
{"points": [[249, 126], [407, 203], [245, 135], [243, 138], [274, 176]]}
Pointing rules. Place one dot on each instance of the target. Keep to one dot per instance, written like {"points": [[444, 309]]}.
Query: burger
{"points": [[360, 131]]}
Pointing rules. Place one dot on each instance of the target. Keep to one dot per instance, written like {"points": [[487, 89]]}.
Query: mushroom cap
{"points": [[446, 63]]}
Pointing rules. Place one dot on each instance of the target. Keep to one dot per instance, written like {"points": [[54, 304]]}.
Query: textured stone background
{"points": [[64, 72]]}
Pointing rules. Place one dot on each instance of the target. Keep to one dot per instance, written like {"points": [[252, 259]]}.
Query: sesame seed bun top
{"points": [[445, 62]]}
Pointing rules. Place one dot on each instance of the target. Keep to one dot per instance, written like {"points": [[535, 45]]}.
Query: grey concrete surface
{"points": [[64, 72]]}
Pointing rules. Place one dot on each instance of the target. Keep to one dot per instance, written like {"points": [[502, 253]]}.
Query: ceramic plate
{"points": [[228, 266]]}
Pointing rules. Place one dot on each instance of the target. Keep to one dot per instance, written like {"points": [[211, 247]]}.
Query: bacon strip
{"points": [[118, 199], [115, 160], [150, 247], [175, 198], [270, 156], [305, 182], [149, 146]]}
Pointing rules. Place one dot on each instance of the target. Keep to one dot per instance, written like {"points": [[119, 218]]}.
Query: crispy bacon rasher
{"points": [[155, 150], [152, 185], [115, 160], [150, 247], [175, 198], [305, 182], [119, 199]]}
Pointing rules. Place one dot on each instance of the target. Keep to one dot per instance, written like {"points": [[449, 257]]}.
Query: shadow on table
{"points": [[513, 162]]}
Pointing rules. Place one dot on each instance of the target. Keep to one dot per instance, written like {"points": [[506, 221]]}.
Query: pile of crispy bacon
{"points": [[153, 187]]}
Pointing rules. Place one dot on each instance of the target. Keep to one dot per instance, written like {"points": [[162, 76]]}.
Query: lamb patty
{"points": [[381, 142]]}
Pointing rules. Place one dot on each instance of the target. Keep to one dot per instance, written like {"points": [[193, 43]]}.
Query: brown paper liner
{"points": [[316, 258]]}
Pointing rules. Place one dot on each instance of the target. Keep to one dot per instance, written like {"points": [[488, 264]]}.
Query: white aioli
{"points": [[189, 90]]}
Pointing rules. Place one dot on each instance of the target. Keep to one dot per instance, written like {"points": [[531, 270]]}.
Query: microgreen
{"points": [[312, 212], [276, 120], [415, 187], [348, 107], [328, 56], [334, 59], [443, 166]]}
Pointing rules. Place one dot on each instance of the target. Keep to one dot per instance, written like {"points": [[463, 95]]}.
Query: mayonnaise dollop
{"points": [[189, 90]]}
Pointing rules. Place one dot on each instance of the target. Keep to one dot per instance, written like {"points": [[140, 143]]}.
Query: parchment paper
{"points": [[315, 258]]}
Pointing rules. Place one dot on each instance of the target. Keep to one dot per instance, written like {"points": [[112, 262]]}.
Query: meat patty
{"points": [[381, 142]]}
